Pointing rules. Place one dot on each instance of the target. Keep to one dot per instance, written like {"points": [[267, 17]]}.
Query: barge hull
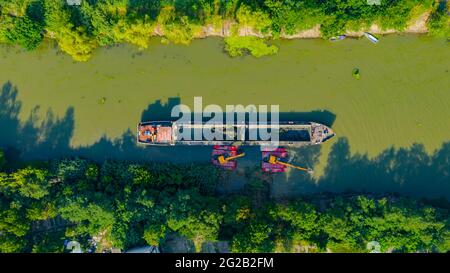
{"points": [[291, 134]]}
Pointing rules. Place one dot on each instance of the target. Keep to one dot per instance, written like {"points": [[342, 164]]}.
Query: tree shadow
{"points": [[324, 117], [408, 171], [159, 111], [33, 138], [9, 112]]}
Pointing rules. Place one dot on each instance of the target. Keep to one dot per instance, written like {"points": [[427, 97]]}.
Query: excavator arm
{"points": [[223, 160], [274, 160]]}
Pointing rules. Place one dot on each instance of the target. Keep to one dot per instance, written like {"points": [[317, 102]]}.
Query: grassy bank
{"points": [[118, 204], [78, 30]]}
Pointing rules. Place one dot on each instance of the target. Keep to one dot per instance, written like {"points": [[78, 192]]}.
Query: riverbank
{"points": [[245, 26], [417, 25]]}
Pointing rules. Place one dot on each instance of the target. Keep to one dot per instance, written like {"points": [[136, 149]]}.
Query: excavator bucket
{"points": [[273, 159]]}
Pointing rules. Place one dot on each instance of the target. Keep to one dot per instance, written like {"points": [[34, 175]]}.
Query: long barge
{"points": [[291, 133]]}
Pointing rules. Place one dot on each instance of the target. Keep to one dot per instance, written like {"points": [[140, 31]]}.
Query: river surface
{"points": [[392, 124]]}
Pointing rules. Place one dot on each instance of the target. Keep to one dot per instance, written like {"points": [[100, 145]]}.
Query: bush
{"points": [[439, 22], [70, 169], [238, 46], [25, 32]]}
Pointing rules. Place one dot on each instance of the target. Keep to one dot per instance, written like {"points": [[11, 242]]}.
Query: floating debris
{"points": [[356, 74], [102, 101]]}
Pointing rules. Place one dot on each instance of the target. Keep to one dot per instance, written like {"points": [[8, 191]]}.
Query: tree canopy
{"points": [[79, 29], [120, 204]]}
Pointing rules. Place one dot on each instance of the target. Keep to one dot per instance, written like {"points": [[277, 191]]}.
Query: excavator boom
{"points": [[222, 159], [274, 160]]}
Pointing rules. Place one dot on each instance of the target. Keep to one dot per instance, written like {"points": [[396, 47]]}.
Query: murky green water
{"points": [[403, 96]]}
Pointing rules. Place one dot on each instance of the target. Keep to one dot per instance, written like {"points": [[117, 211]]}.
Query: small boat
{"points": [[338, 38], [371, 38]]}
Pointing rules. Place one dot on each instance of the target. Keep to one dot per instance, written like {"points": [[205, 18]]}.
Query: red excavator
{"points": [[274, 161], [224, 156]]}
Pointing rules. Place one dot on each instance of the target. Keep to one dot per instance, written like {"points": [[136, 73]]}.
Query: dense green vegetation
{"points": [[123, 205], [439, 22], [78, 30]]}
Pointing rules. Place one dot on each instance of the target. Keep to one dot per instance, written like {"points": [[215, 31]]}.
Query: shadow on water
{"points": [[49, 138], [406, 170], [160, 111], [37, 139], [324, 117], [411, 171]]}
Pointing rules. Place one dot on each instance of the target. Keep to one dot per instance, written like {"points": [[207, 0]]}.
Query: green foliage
{"points": [[10, 243], [140, 174], [153, 234], [137, 33], [75, 43], [70, 170], [301, 217], [90, 217], [24, 32], [13, 222], [176, 29], [239, 45], [256, 20], [41, 211], [254, 238], [72, 39], [439, 21], [13, 227], [91, 172], [29, 182], [291, 16], [78, 30], [194, 217], [124, 205], [52, 242], [332, 26]]}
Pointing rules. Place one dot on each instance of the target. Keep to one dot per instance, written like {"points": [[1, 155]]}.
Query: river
{"points": [[392, 124]]}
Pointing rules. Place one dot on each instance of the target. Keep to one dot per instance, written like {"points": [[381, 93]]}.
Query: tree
{"points": [[153, 234], [254, 238], [10, 243], [25, 32], [29, 182], [194, 217], [439, 21], [91, 218]]}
